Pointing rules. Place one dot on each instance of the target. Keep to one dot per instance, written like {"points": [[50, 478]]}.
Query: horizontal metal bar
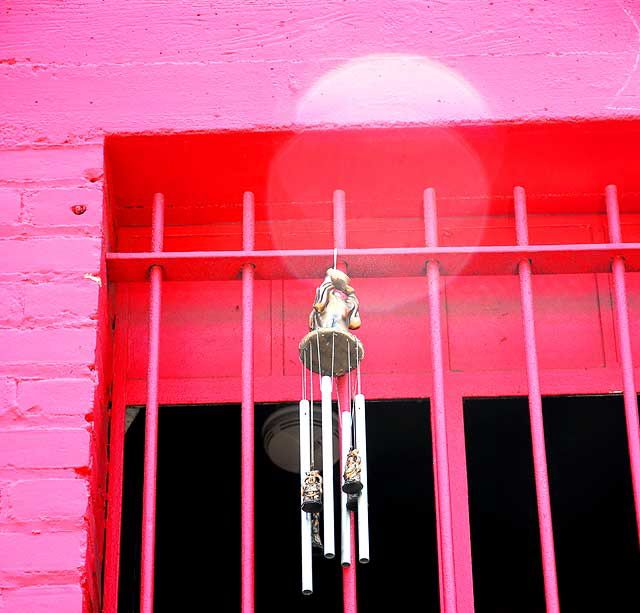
{"points": [[383, 262]]}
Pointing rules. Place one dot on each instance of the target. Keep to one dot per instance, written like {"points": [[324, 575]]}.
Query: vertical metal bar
{"points": [[151, 416], [535, 412], [626, 358], [431, 238], [247, 415], [438, 411], [339, 219], [456, 451], [349, 591]]}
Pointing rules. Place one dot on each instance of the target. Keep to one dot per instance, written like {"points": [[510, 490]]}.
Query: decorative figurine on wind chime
{"points": [[330, 350]]}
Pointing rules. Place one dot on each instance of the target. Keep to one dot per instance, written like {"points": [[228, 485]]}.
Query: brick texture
{"points": [[56, 396], [64, 302], [50, 448], [53, 207], [43, 599], [49, 316], [48, 499], [9, 206], [42, 552]]}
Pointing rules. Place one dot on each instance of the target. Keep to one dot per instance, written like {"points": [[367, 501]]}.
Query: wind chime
{"points": [[329, 351]]}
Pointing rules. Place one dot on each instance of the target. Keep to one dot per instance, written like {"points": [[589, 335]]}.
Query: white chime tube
{"points": [[327, 469], [305, 518], [345, 516], [363, 500]]}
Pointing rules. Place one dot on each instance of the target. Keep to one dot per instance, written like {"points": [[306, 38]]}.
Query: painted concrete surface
{"points": [[76, 71], [72, 72]]}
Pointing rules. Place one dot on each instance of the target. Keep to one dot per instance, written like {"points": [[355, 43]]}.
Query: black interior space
{"points": [[198, 523], [598, 564]]}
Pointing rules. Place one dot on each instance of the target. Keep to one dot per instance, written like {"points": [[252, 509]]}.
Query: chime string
{"points": [[333, 356], [333, 359], [304, 375], [351, 411], [319, 373]]}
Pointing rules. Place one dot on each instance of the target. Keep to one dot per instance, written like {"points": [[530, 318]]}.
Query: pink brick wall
{"points": [[52, 440], [73, 72]]}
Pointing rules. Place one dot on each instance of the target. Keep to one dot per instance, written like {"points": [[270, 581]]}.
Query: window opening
{"points": [[505, 540], [401, 509], [198, 510], [197, 553], [498, 255], [591, 502]]}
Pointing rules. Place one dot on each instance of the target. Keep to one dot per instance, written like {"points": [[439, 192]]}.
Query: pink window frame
{"points": [[447, 390]]}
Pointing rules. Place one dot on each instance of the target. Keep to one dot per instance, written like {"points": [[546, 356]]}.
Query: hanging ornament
{"points": [[331, 350], [312, 492], [352, 482]]}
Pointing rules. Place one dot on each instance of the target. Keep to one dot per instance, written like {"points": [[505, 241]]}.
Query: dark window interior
{"points": [[591, 498], [198, 510], [198, 525]]}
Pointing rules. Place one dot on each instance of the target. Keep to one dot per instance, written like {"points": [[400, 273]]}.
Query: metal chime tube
{"points": [[305, 518], [327, 468], [363, 500], [345, 516]]}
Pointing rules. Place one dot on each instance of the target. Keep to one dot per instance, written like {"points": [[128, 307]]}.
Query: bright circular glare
{"points": [[390, 88]]}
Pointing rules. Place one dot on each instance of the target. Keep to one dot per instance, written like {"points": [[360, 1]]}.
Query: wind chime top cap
{"points": [[330, 348]]}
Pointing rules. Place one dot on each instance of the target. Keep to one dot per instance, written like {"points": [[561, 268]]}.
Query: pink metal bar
{"points": [[247, 416], [248, 221], [339, 219], [349, 588], [626, 358], [375, 262], [430, 219], [535, 413], [151, 417], [438, 413], [456, 450]]}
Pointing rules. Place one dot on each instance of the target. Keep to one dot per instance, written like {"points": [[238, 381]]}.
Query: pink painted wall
{"points": [[72, 72]]}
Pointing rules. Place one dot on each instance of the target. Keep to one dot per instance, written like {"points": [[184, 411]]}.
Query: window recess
{"points": [[490, 292]]}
